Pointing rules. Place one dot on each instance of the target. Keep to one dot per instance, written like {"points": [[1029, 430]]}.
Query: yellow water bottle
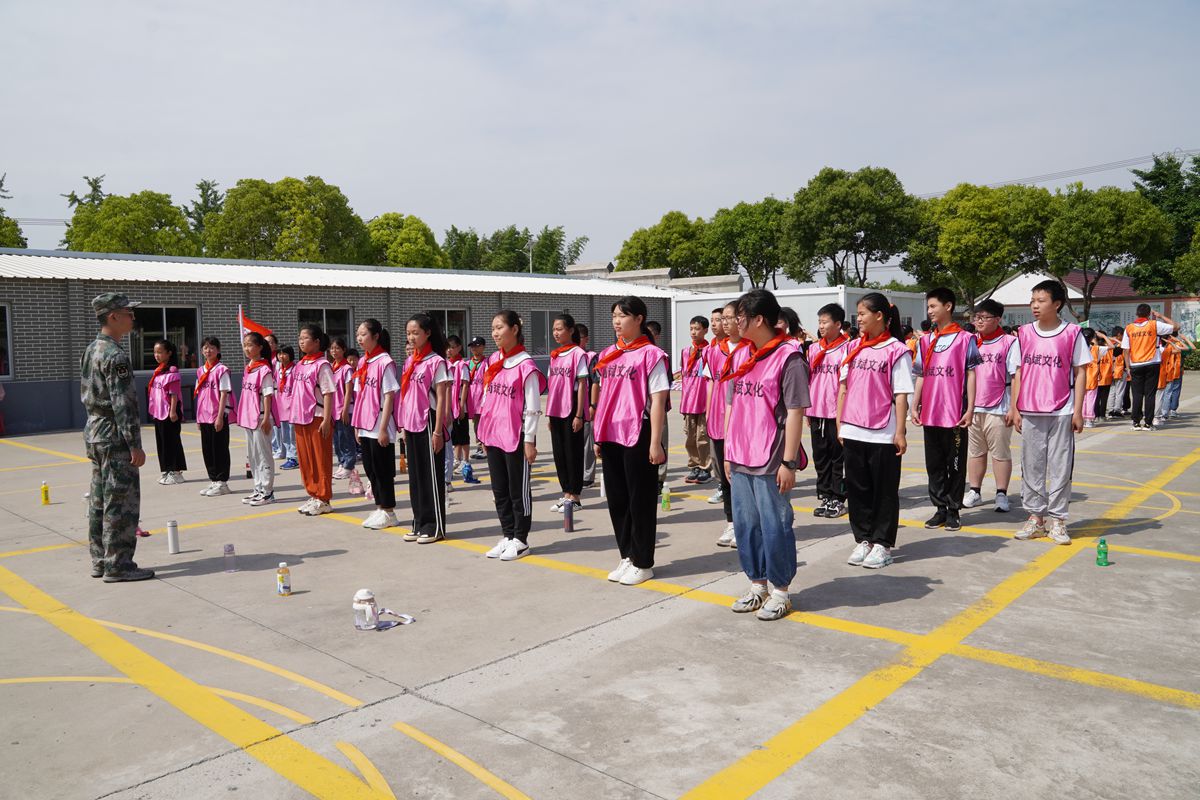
{"points": [[45, 494], [283, 580]]}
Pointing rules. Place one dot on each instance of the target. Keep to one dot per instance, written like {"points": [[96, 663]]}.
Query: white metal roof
{"points": [[61, 265]]}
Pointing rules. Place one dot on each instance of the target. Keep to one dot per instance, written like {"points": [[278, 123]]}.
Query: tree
{"points": [[145, 223], [1187, 266], [463, 248], [210, 201], [405, 241], [1174, 188], [674, 242], [552, 252], [1095, 231], [751, 237], [507, 250], [848, 220], [10, 231]]}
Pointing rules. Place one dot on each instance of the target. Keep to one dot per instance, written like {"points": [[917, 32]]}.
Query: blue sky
{"points": [[599, 117]]}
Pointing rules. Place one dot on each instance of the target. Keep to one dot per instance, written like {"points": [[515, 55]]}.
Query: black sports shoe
{"points": [[691, 476], [822, 509], [937, 520], [836, 508], [703, 476], [131, 572], [952, 521]]}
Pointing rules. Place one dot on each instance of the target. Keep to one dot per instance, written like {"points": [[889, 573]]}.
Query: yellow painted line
{"points": [[43, 549], [450, 754], [370, 773], [33, 491], [307, 769], [69, 456], [1128, 454], [1142, 551], [38, 466]]}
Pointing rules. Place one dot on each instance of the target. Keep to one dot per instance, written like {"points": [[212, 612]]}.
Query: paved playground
{"points": [[975, 666]]}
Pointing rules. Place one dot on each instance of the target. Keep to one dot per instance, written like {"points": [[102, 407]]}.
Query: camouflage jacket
{"points": [[107, 391]]}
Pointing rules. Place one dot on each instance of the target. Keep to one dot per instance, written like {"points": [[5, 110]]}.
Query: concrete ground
{"points": [[974, 666]]}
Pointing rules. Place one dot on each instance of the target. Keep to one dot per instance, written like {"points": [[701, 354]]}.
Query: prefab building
{"points": [[46, 317]]}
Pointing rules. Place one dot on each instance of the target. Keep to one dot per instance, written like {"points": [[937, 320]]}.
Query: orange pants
{"points": [[315, 453]]}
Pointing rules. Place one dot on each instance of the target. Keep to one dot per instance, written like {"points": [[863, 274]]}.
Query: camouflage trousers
{"points": [[114, 506]]}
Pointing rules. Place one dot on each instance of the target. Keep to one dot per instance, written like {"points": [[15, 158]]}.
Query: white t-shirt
{"points": [[1162, 329], [902, 383], [1081, 355], [325, 385], [389, 383]]}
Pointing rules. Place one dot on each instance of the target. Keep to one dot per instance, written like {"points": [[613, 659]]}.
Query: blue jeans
{"points": [[762, 517], [343, 444], [1170, 400], [286, 442]]}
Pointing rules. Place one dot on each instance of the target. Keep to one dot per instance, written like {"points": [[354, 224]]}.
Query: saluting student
{"points": [[717, 363], [876, 380], [693, 402], [165, 401], [343, 434], [1118, 393], [475, 390], [1143, 360], [424, 418], [512, 389], [990, 433], [312, 412], [630, 415], [254, 415], [374, 419], [825, 365], [1050, 361], [566, 408], [766, 392], [213, 398]]}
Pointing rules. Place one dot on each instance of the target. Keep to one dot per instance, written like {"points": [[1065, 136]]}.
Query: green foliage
{"points": [[847, 220], [463, 248], [1095, 231], [752, 237], [145, 223], [10, 231], [405, 241], [94, 195], [675, 242], [552, 252], [209, 201], [1173, 187], [1187, 266], [507, 250]]}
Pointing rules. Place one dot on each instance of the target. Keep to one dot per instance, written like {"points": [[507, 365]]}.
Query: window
{"points": [[178, 325], [538, 336], [334, 321], [5, 344], [453, 322]]}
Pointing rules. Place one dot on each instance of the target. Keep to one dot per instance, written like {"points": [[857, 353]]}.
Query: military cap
{"points": [[112, 301]]}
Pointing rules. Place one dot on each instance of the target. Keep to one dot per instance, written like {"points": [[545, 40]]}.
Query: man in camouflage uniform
{"points": [[113, 437]]}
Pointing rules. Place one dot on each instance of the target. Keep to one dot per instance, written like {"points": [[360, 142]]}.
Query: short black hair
{"points": [[990, 307], [718, 310], [832, 310], [288, 351], [1056, 291], [942, 295], [701, 321], [926, 325], [1144, 309]]}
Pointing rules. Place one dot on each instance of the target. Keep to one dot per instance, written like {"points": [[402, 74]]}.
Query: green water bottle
{"points": [[666, 497], [1101, 553]]}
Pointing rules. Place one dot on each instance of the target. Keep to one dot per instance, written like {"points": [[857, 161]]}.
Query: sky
{"points": [[599, 117]]}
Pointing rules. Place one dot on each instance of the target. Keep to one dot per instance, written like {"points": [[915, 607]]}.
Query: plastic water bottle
{"points": [[45, 493], [366, 612], [230, 558], [283, 580], [666, 498], [568, 515], [468, 474], [1102, 553], [173, 537], [248, 473]]}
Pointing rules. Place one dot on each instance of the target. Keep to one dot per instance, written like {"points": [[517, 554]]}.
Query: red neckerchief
{"points": [[760, 354], [728, 368], [453, 360], [361, 373], [308, 358], [341, 362], [1141, 320], [494, 368], [256, 363], [825, 348], [996, 334], [864, 343], [411, 367], [472, 367], [558, 351], [724, 345], [623, 347], [933, 337], [204, 376], [694, 354], [160, 369], [283, 373]]}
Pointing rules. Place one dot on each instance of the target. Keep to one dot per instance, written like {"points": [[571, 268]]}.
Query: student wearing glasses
{"points": [[990, 433]]}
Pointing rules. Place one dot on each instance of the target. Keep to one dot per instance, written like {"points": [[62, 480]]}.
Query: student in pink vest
{"points": [[1049, 361], [990, 433], [475, 390], [566, 409], [512, 392], [375, 386], [165, 400], [589, 433], [825, 364], [213, 399], [285, 364], [425, 419], [457, 393], [693, 402], [313, 388], [766, 393], [343, 434], [718, 356], [876, 379], [630, 415], [254, 415], [944, 404]]}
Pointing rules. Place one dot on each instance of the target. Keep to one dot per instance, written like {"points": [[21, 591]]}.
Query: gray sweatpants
{"points": [[262, 466], [1047, 461]]}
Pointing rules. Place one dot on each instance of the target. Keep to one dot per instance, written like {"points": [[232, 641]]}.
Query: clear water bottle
{"points": [[230, 559], [283, 580]]}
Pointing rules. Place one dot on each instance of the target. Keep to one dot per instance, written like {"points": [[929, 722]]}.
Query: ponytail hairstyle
{"points": [[314, 331], [172, 352], [635, 307], [876, 303], [264, 348], [569, 322], [215, 342], [376, 328], [513, 320], [1089, 336], [793, 320], [759, 303], [429, 324], [583, 331]]}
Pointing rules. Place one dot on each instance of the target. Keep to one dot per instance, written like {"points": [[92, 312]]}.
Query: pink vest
{"points": [[823, 380], [209, 395], [249, 405], [281, 400], [161, 389], [475, 389], [503, 407], [562, 383], [945, 376], [458, 374], [624, 394], [368, 399], [339, 393], [414, 404], [694, 397], [751, 414], [1046, 372], [306, 392], [869, 393], [991, 376], [715, 358]]}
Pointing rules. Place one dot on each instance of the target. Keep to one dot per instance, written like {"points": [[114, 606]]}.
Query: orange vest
{"points": [[1093, 369], [1106, 367], [1143, 341], [1118, 368], [911, 344], [1172, 366]]}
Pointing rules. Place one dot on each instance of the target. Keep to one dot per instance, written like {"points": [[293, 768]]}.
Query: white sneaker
{"points": [[777, 606], [733, 541], [616, 574], [632, 576], [430, 538], [752, 600], [858, 554], [319, 507], [972, 498], [306, 507], [557, 508], [165, 479], [341, 473], [1032, 529], [263, 500], [878, 558], [513, 550], [207, 490], [251, 497], [373, 518], [1089, 423], [727, 537], [175, 478], [1002, 503], [1058, 531], [457, 467], [387, 519], [716, 497]]}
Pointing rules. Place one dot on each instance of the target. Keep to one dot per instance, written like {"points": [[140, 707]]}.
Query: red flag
{"points": [[248, 325]]}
